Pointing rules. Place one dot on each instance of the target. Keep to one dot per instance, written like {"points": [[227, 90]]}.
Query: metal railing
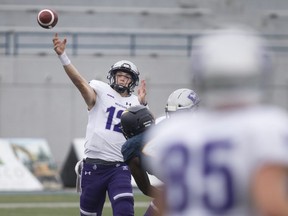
{"points": [[110, 43], [97, 43]]}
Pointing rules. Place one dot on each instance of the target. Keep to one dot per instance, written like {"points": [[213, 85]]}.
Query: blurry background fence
{"points": [[101, 43], [98, 43]]}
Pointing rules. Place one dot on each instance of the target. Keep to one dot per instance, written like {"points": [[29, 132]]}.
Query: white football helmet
{"points": [[182, 99], [230, 66], [125, 66]]}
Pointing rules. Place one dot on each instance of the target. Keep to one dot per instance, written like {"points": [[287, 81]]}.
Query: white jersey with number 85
{"points": [[207, 160]]}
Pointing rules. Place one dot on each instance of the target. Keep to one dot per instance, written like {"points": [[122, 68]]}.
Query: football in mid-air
{"points": [[47, 18]]}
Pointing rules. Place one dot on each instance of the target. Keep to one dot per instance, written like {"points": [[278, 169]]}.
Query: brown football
{"points": [[47, 18]]}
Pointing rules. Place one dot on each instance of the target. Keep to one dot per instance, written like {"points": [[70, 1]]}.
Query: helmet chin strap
{"points": [[119, 88]]}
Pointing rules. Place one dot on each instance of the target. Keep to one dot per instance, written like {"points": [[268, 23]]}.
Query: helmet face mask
{"points": [[127, 67], [135, 120]]}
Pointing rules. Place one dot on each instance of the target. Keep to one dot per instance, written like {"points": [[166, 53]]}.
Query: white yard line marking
{"points": [[58, 205]]}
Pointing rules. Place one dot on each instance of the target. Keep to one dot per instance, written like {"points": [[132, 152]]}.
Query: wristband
{"points": [[64, 59]]}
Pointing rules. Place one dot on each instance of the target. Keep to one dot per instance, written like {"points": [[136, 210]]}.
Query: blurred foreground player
{"points": [[232, 157], [103, 167], [180, 100], [135, 122]]}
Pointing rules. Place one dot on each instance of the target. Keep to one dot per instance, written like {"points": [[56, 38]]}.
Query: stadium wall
{"points": [[37, 99]]}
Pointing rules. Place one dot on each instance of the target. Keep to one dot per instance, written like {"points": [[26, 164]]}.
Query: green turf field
{"points": [[55, 203]]}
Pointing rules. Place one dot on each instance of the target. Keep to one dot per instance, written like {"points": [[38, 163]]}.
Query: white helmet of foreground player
{"points": [[230, 66], [182, 100]]}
